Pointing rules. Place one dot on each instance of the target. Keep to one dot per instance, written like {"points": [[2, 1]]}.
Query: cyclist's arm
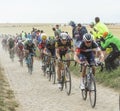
{"points": [[101, 55], [76, 58], [45, 51]]}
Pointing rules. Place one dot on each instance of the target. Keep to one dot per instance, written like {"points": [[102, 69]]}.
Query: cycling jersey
{"points": [[42, 44], [63, 47], [30, 48], [20, 46], [86, 53], [11, 43], [50, 48]]}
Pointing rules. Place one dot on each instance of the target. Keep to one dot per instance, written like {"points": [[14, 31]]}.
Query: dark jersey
{"points": [[85, 50], [49, 46], [30, 48], [63, 47]]}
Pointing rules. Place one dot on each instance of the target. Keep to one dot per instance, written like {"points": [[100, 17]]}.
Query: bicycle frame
{"points": [[66, 77]]}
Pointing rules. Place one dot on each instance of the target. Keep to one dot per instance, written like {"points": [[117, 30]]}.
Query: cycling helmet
{"points": [[87, 37], [72, 23], [51, 39], [63, 36], [43, 36]]}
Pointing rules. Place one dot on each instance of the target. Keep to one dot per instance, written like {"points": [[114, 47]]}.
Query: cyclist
{"points": [[42, 44], [4, 43], [11, 45], [29, 47], [86, 53], [63, 46], [19, 49], [109, 40], [49, 48]]}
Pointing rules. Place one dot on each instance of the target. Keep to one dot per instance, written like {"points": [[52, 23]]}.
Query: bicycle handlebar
{"points": [[90, 65]]}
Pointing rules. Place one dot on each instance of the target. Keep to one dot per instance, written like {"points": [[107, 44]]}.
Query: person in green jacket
{"points": [[109, 40], [100, 27]]}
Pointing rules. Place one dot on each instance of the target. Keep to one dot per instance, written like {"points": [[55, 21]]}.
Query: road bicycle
{"points": [[89, 82], [90, 85], [65, 77]]}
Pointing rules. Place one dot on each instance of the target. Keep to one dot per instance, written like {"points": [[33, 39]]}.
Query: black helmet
{"points": [[87, 37]]}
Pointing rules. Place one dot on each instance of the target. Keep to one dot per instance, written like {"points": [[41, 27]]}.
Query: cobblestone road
{"points": [[35, 93]]}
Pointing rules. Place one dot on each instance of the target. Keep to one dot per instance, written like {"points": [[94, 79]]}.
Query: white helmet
{"points": [[64, 36]]}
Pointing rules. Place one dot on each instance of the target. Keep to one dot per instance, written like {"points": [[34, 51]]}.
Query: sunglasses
{"points": [[88, 41]]}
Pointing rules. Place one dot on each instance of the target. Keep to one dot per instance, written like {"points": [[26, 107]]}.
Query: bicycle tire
{"points": [[62, 81], [67, 81], [53, 73], [12, 55], [30, 68], [43, 65], [30, 65], [84, 91], [92, 91]]}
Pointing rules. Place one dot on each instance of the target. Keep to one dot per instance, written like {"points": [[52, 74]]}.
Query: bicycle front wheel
{"points": [[68, 81], [92, 91], [53, 73], [84, 91]]}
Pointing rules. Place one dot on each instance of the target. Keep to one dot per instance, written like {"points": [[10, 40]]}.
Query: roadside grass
{"points": [[7, 99], [109, 79]]}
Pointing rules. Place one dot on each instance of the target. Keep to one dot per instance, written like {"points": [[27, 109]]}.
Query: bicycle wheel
{"points": [[43, 66], [30, 65], [62, 81], [92, 91], [21, 59], [67, 81], [12, 54], [53, 73], [44, 69], [30, 68], [84, 91]]}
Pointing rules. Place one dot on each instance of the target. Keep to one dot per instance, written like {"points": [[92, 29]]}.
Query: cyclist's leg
{"points": [[82, 59], [67, 56]]}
